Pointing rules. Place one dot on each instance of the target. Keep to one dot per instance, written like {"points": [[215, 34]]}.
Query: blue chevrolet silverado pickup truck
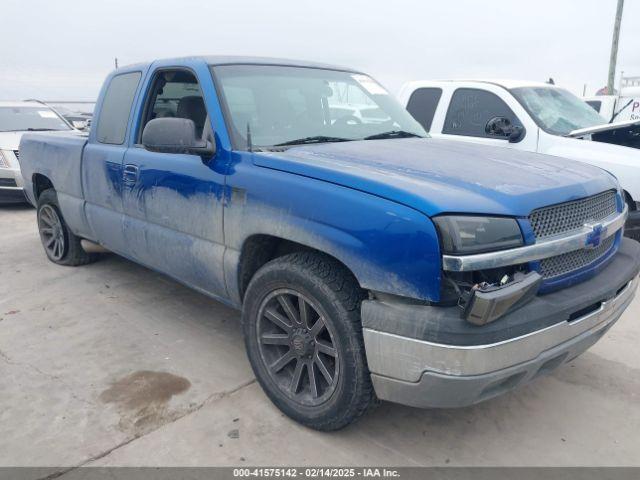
{"points": [[369, 260]]}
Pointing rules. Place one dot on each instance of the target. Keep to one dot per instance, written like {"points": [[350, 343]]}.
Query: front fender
{"points": [[389, 247], [622, 162]]}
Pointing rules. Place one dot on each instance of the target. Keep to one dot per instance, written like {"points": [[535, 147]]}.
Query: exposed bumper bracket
{"points": [[487, 305]]}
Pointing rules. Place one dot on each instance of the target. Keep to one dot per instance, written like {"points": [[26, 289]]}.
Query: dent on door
{"points": [[173, 205]]}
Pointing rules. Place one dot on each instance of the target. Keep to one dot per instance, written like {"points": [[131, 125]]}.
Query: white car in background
{"points": [[17, 118], [536, 117]]}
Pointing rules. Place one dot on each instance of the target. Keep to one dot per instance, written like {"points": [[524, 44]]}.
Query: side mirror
{"points": [[517, 134], [175, 135], [502, 127]]}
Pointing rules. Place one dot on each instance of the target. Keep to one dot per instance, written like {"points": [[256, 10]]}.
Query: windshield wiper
{"points": [[620, 111], [392, 134], [314, 139]]}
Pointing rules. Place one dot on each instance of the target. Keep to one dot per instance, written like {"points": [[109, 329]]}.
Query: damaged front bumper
{"points": [[486, 305], [487, 301], [426, 356]]}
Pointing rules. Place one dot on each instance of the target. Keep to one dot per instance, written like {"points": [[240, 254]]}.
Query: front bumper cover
{"points": [[11, 182], [422, 373], [12, 195]]}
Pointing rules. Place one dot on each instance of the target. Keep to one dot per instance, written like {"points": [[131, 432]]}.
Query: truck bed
{"points": [[57, 156]]}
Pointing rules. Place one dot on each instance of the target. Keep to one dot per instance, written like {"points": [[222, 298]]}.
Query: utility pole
{"points": [[614, 48], [116, 61]]}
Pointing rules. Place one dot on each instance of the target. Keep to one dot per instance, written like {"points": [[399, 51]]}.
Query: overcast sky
{"points": [[62, 49]]}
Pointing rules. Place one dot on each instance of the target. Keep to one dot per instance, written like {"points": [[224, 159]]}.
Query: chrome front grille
{"points": [[572, 261], [570, 216]]}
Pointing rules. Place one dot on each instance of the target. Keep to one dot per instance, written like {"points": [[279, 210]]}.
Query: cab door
{"points": [[173, 203], [102, 160], [475, 115]]}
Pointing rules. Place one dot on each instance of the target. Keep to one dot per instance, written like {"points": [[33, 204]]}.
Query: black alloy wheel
{"points": [[298, 347]]}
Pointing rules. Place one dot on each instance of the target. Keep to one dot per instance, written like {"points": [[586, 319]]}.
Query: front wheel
{"points": [[303, 335], [60, 244]]}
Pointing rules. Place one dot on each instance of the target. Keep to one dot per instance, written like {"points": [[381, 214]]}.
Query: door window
{"points": [[470, 110], [175, 93], [422, 105]]}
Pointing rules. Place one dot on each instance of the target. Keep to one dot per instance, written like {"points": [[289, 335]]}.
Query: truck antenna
{"points": [[249, 143]]}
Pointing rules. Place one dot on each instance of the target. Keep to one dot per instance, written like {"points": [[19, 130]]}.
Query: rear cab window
{"points": [[423, 104], [471, 108], [116, 107]]}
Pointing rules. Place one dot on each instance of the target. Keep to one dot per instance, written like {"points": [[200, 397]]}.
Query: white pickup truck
{"points": [[530, 116]]}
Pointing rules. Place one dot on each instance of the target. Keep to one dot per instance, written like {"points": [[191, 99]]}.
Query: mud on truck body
{"points": [[368, 259]]}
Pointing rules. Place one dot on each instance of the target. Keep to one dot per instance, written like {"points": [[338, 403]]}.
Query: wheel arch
{"points": [[40, 184], [630, 201], [259, 249]]}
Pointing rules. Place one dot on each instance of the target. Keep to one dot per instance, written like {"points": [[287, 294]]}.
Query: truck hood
{"points": [[10, 140], [605, 127], [440, 176]]}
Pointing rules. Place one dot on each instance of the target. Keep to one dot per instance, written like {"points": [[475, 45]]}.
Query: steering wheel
{"points": [[347, 120]]}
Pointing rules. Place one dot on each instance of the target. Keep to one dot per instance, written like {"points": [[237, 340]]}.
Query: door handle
{"points": [[130, 174]]}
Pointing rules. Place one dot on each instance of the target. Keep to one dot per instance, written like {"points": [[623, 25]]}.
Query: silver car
{"points": [[16, 118]]}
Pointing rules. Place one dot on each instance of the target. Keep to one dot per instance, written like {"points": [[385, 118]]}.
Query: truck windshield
{"points": [[281, 105], [22, 119], [557, 111]]}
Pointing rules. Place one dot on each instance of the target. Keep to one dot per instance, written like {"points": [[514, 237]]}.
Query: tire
{"points": [[635, 233], [60, 244], [326, 340]]}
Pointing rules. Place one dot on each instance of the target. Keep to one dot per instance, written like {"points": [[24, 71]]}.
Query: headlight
{"points": [[4, 161], [462, 235]]}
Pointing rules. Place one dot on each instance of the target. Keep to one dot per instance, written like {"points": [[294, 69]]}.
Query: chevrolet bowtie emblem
{"points": [[594, 237]]}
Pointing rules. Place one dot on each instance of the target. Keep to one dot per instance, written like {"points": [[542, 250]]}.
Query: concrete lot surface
{"points": [[113, 364]]}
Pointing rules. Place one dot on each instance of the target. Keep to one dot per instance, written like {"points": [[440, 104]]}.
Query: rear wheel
{"points": [[303, 335], [60, 244]]}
